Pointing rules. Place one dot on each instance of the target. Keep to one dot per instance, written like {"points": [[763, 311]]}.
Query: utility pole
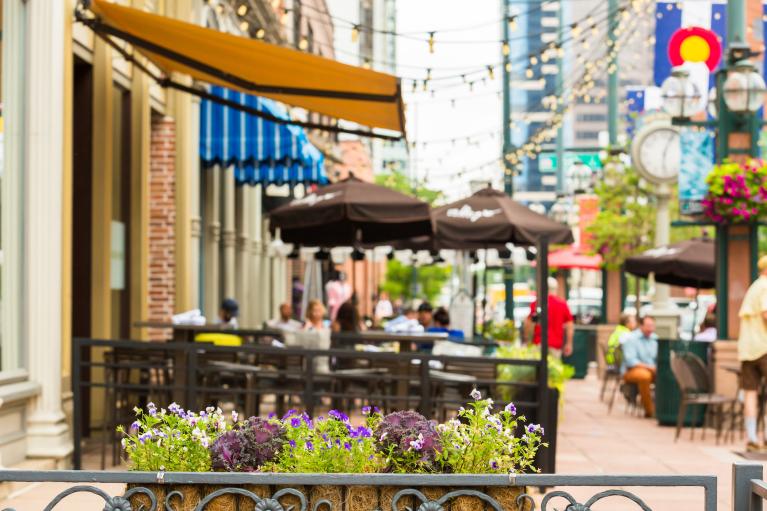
{"points": [[508, 170], [612, 74], [560, 147]]}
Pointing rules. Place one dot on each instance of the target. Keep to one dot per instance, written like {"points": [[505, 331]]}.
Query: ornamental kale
{"points": [[173, 439], [408, 441], [327, 445], [479, 441], [249, 446]]}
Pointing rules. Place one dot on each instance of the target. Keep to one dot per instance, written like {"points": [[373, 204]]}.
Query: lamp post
{"points": [[738, 95]]}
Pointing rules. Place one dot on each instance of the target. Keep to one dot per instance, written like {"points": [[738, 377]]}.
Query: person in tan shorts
{"points": [[752, 351]]}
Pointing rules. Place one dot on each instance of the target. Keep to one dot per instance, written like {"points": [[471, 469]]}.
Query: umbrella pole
{"points": [[694, 314]]}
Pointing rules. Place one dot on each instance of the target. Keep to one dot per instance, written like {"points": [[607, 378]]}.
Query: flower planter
{"points": [[368, 495]]}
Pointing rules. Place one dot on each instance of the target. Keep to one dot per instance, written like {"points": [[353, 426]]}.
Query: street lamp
{"points": [[744, 88], [681, 96], [580, 176]]}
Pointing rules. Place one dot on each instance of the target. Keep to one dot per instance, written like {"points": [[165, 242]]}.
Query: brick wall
{"points": [[162, 219]]}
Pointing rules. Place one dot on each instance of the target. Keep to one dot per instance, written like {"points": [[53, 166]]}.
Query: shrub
{"points": [[172, 440], [327, 445], [479, 441], [249, 446], [408, 442]]}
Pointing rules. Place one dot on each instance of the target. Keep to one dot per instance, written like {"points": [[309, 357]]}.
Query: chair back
{"points": [[618, 357], [699, 372], [456, 349], [683, 374]]}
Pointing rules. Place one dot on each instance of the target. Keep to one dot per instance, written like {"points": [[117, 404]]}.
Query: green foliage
{"points": [[626, 220], [399, 279], [327, 445], [504, 330], [173, 440], [737, 193], [480, 441], [559, 372], [400, 182]]}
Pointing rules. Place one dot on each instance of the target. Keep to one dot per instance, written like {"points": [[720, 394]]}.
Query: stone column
{"points": [[212, 239], [257, 284], [228, 231], [47, 432], [242, 279]]}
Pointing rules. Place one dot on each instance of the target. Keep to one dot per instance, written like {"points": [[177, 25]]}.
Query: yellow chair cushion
{"points": [[219, 339]]}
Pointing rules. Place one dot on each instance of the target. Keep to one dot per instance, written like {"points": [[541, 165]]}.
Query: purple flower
{"points": [[292, 444], [535, 428], [251, 444], [475, 395], [135, 426], [289, 414], [366, 410], [493, 465], [338, 415], [309, 445], [295, 422], [408, 431], [144, 437], [347, 446], [511, 408]]}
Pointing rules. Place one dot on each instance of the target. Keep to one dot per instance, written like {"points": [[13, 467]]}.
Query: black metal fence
{"points": [[303, 492], [110, 378]]}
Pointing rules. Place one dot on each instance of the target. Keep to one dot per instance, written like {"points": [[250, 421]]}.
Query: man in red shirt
{"points": [[560, 323]]}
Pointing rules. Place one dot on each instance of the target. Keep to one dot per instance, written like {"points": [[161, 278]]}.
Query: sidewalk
{"points": [[591, 441]]}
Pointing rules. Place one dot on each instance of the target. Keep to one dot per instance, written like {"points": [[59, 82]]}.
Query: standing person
{"points": [[752, 350], [315, 316], [338, 291], [640, 355], [297, 295], [228, 313], [560, 323], [384, 309]]}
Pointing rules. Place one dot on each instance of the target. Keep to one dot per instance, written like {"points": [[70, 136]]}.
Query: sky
{"points": [[434, 119]]}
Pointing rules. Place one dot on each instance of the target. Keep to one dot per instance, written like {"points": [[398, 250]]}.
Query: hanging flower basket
{"points": [[737, 193]]}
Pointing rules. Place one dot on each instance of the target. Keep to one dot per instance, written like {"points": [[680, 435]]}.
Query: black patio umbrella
{"points": [[491, 219], [351, 213], [690, 263]]}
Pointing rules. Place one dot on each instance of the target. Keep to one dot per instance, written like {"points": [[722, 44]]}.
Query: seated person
{"points": [[406, 322], [707, 329], [315, 316], [347, 319], [227, 315], [425, 315], [442, 325], [640, 355], [285, 321], [628, 323]]}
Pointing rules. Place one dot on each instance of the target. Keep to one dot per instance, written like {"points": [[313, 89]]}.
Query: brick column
{"points": [[162, 223]]}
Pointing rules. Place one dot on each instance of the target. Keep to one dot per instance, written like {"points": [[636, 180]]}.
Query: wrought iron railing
{"points": [[125, 374], [281, 491]]}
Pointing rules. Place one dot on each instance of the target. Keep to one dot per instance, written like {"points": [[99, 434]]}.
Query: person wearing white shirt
{"points": [[285, 321], [384, 307]]}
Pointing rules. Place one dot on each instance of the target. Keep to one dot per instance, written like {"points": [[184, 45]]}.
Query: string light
{"points": [[366, 63], [355, 33], [505, 49], [242, 10], [431, 42], [244, 26], [260, 33], [508, 67], [303, 44], [490, 72], [428, 74], [513, 23]]}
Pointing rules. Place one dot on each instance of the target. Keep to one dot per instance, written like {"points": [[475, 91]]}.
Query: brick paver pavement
{"points": [[591, 441]]}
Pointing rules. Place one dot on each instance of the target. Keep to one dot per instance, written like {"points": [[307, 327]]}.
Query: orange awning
{"points": [[300, 79]]}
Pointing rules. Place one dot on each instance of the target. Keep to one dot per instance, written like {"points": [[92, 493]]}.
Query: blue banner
{"points": [[697, 157]]}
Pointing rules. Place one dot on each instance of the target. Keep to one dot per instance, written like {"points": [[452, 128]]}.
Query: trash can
{"points": [[667, 395], [584, 341]]}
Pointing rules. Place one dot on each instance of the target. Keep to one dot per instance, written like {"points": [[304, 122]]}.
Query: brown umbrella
{"points": [[687, 263], [351, 212], [489, 218]]}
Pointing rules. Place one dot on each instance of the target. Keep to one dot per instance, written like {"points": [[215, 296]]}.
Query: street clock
{"points": [[656, 152]]}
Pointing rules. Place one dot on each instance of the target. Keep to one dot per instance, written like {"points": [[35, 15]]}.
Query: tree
{"points": [[626, 220], [625, 224], [399, 280], [401, 183]]}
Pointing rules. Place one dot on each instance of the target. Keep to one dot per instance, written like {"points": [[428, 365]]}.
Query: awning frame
{"points": [[106, 32]]}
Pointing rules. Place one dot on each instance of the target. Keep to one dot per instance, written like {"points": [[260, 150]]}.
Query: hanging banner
{"points": [[697, 148]]}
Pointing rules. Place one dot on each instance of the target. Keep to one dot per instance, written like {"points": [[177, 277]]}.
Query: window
{"points": [[586, 135], [592, 118]]}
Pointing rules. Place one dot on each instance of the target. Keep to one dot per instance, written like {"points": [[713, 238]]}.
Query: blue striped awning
{"points": [[261, 151]]}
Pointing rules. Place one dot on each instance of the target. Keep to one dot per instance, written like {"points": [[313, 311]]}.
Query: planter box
{"points": [[332, 492]]}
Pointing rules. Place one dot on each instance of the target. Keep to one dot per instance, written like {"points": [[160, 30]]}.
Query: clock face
{"points": [[657, 154]]}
